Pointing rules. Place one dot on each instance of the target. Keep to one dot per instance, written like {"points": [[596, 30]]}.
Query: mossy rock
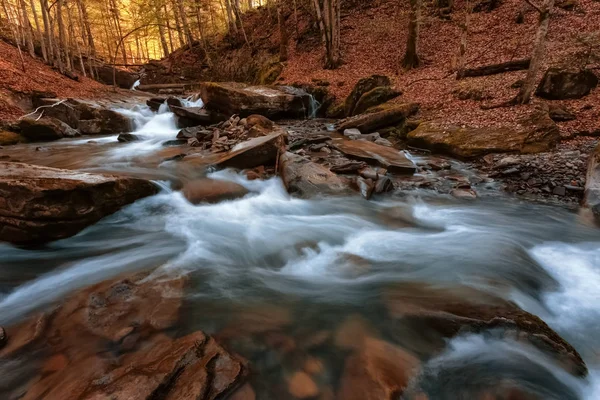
{"points": [[363, 86], [335, 111], [400, 131], [375, 97], [8, 138], [269, 73]]}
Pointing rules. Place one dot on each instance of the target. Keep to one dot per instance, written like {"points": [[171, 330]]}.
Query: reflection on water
{"points": [[268, 260]]}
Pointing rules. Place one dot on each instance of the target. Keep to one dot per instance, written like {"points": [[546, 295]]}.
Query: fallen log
{"points": [[493, 69]]}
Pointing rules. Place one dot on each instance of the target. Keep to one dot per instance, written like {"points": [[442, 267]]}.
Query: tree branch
{"points": [[532, 4]]}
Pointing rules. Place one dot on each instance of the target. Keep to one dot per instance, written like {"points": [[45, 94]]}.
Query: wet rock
{"points": [[90, 126], [212, 191], [259, 121], [41, 204], [375, 97], [383, 142], [155, 102], [560, 114], [379, 370], [254, 152], [23, 336], [237, 98], [383, 185], [365, 187], [103, 121], [352, 333], [128, 137], [348, 167], [194, 116], [389, 158], [537, 134], [194, 132], [453, 310], [464, 194], [3, 337], [245, 392], [175, 142], [301, 386], [363, 86], [592, 185], [560, 84], [559, 191], [305, 178], [371, 122], [44, 129], [352, 132]]}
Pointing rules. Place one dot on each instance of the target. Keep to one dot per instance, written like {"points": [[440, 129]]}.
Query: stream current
{"points": [[324, 260]]}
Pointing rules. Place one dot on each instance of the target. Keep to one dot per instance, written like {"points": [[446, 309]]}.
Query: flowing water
{"points": [[322, 261]]}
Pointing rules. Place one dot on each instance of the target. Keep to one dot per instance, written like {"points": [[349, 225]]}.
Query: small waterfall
{"points": [[313, 106], [135, 85]]}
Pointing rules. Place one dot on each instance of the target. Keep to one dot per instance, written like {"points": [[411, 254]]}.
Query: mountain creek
{"points": [[242, 258]]}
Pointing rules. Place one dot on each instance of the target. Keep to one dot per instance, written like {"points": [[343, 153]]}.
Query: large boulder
{"points": [[375, 97], [124, 78], [560, 84], [45, 129], [387, 157], [304, 178], [41, 204], [362, 87], [536, 134], [88, 118], [592, 183], [387, 116], [238, 98]]}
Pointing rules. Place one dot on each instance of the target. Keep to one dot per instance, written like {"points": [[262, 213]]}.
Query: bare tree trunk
{"points": [[464, 36], [77, 48], [61, 36], [117, 17], [411, 57], [84, 26], [27, 29], [178, 27], [13, 28], [230, 19], [331, 22], [537, 57], [249, 4], [48, 32], [161, 32], [283, 36], [184, 22], [39, 31], [201, 31], [166, 19]]}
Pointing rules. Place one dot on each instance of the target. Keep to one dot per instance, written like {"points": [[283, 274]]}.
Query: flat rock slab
{"points": [[388, 157], [538, 134], [305, 178], [262, 150], [41, 204], [270, 101], [193, 116]]}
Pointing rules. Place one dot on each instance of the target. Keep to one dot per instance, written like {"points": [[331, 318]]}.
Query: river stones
{"points": [[212, 191], [41, 204], [305, 178], [389, 158], [108, 341], [244, 100]]}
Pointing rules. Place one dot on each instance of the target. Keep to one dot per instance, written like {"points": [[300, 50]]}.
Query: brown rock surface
{"points": [[41, 204], [387, 157], [46, 128], [212, 191], [379, 370], [90, 357], [537, 134], [305, 178], [244, 100]]}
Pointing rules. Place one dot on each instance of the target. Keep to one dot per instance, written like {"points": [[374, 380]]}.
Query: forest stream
{"points": [[300, 284]]}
